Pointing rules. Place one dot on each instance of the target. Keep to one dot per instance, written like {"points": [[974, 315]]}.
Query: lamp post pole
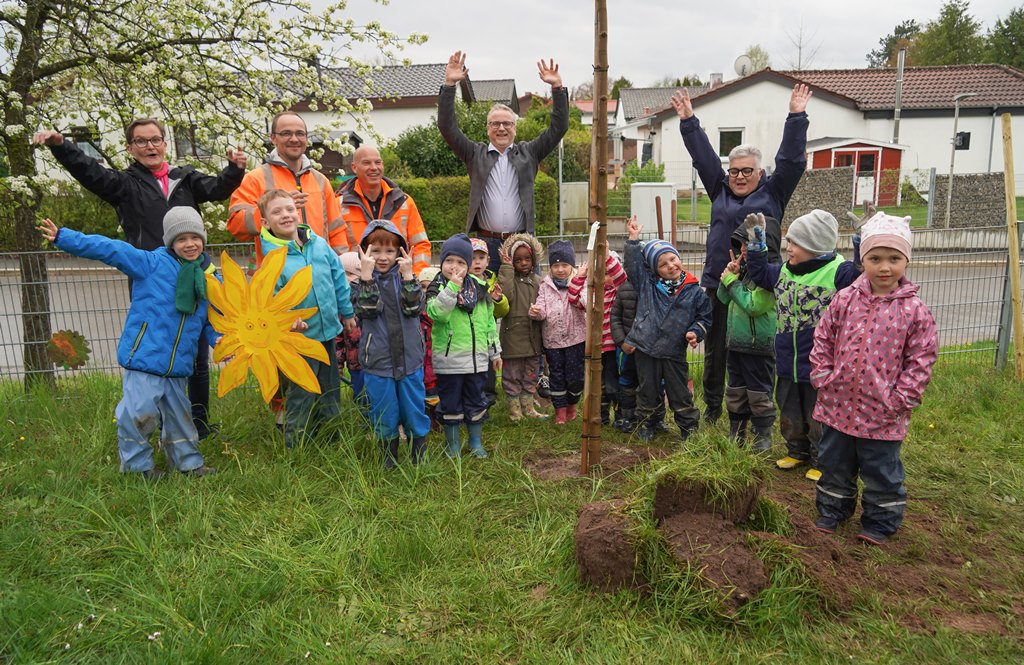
{"points": [[952, 152]]}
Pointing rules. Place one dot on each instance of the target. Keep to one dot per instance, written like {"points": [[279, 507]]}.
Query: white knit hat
{"points": [[884, 230], [817, 232], [182, 219]]}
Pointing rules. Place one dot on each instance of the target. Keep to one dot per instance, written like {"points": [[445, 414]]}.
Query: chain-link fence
{"points": [[963, 275]]}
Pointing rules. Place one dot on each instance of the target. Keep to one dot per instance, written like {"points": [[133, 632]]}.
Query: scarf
{"points": [[162, 177], [560, 283], [670, 286], [191, 286]]}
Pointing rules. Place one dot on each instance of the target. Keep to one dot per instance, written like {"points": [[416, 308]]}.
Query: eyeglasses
{"points": [[156, 142], [501, 124], [745, 172], [290, 135]]}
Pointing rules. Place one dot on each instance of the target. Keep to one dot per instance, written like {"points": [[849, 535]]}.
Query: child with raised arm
{"points": [[521, 342], [389, 302], [305, 412], [161, 333], [465, 344], [873, 355], [613, 279], [803, 287], [750, 342], [564, 331], [672, 312]]}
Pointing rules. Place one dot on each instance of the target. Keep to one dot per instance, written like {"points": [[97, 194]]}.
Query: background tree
{"points": [[889, 46], [759, 58], [954, 38], [806, 47], [619, 84], [583, 91], [575, 144], [423, 149], [668, 82], [1006, 40], [692, 79], [199, 63]]}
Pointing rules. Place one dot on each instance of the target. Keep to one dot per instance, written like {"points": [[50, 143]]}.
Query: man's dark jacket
{"points": [[524, 156], [137, 196]]}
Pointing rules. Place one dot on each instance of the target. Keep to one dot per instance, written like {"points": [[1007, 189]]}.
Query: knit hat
{"points": [[654, 249], [350, 262], [480, 246], [817, 232], [458, 245], [182, 219], [428, 274], [561, 251], [884, 230]]}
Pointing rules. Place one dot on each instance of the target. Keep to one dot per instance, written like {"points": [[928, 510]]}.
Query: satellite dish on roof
{"points": [[744, 65]]}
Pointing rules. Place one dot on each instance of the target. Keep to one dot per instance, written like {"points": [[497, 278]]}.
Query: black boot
{"points": [[390, 451], [606, 408], [419, 449], [738, 429], [626, 421]]}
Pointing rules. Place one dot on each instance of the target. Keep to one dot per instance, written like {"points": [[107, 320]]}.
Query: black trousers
{"points": [[796, 419], [676, 377], [715, 354]]}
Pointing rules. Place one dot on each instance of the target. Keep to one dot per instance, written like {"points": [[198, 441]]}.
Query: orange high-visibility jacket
{"points": [[321, 211], [397, 207]]}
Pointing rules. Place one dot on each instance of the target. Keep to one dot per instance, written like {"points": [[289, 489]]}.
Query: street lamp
{"points": [[952, 152]]}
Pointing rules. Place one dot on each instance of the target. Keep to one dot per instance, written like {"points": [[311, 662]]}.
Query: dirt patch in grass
{"points": [[549, 465], [673, 497], [925, 564]]}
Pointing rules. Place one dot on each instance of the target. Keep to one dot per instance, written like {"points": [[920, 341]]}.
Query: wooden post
{"points": [[673, 222], [1014, 238], [661, 222], [590, 448]]}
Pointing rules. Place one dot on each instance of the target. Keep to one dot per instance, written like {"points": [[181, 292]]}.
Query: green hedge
{"points": [[442, 202]]}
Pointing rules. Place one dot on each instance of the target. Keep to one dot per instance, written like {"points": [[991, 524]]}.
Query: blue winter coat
{"points": [[728, 210], [157, 338], [662, 321], [389, 311], [330, 292]]}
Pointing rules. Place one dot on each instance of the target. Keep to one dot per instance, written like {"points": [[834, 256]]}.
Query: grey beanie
{"points": [[182, 219], [817, 232]]}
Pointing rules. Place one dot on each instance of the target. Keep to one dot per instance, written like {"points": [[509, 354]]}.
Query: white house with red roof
{"points": [[852, 120]]}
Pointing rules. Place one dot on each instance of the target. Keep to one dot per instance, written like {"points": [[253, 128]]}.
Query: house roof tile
{"points": [[639, 102]]}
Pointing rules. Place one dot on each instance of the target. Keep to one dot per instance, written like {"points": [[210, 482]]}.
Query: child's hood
{"points": [[387, 226], [511, 244], [272, 242]]}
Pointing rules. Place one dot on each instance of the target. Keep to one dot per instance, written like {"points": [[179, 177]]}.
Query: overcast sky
{"points": [[648, 39]]}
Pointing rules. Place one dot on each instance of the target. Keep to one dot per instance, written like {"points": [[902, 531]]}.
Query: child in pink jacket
{"points": [[873, 354], [564, 331]]}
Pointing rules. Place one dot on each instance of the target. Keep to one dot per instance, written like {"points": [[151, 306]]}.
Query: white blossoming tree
{"points": [[218, 66]]}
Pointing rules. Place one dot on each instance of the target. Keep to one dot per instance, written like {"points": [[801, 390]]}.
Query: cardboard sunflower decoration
{"points": [[256, 324]]}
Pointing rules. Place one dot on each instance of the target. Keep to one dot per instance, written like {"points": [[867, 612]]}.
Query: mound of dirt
{"points": [[548, 465], [605, 548], [676, 497], [715, 549]]}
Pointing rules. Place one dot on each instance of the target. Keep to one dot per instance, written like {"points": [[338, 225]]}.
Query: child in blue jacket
{"points": [[305, 412], [672, 312], [158, 345], [389, 302]]}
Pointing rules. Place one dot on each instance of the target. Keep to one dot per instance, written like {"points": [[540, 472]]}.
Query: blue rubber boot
{"points": [[453, 435], [476, 445]]}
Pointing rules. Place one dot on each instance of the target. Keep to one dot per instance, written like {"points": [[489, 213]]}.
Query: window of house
{"points": [[87, 139], [186, 144], [866, 164], [844, 160], [728, 139]]}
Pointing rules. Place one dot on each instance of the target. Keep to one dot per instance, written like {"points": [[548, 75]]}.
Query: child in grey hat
{"points": [[803, 287]]}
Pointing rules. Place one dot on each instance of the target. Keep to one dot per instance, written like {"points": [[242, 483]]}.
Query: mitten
{"points": [[755, 225]]}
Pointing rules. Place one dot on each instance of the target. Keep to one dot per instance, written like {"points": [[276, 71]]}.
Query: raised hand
{"points": [[681, 103], [458, 275], [455, 70], [238, 157], [691, 339], [48, 229], [48, 137], [496, 293], [581, 272], [505, 258], [798, 100], [366, 263], [755, 225], [634, 228], [405, 265], [299, 197], [858, 222], [733, 266], [549, 73]]}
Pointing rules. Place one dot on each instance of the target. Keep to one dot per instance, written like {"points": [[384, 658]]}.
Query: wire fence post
{"points": [[1006, 310], [931, 197]]}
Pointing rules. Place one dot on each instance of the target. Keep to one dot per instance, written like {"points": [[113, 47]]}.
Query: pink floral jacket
{"points": [[872, 360], [564, 324]]}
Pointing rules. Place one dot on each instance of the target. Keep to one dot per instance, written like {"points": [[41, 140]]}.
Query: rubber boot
{"points": [[606, 415], [570, 412], [738, 429], [476, 445], [762, 437], [529, 410], [560, 415], [389, 449], [627, 420], [515, 409], [453, 436], [419, 449]]}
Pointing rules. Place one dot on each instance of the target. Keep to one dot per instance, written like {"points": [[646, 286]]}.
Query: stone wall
{"points": [[827, 189], [979, 199]]}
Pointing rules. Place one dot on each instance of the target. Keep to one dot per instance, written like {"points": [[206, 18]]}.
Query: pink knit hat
{"points": [[884, 230]]}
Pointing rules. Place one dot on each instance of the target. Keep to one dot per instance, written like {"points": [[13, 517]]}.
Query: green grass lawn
{"points": [[318, 555]]}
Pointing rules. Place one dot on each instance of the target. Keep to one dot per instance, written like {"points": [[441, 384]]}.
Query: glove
{"points": [[858, 222], [755, 225]]}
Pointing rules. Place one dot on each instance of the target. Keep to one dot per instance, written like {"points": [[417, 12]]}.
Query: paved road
{"points": [[964, 298]]}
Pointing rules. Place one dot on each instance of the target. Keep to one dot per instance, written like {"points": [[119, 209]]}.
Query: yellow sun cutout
{"points": [[256, 324]]}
